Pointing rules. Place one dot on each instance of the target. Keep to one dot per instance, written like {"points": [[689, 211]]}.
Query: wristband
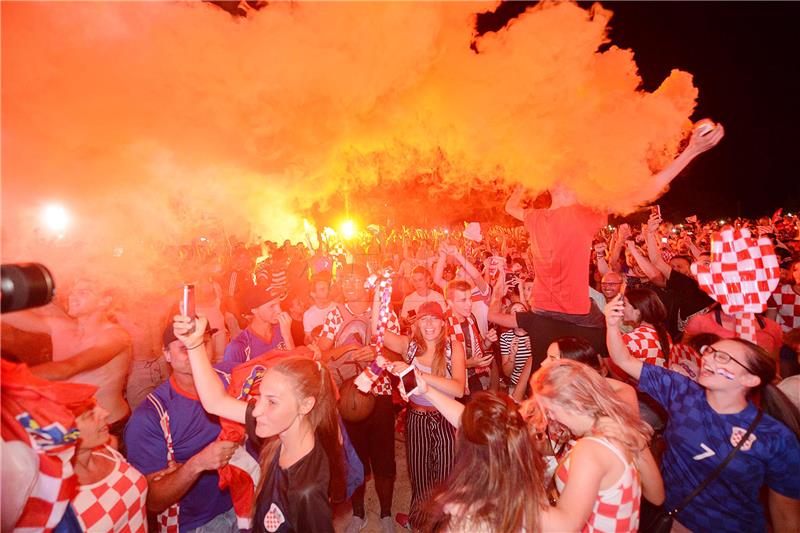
{"points": [[194, 347]]}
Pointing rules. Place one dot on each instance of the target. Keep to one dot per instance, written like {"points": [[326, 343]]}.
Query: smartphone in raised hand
{"points": [[655, 211]]}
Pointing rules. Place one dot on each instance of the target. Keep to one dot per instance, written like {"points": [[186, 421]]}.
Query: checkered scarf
{"points": [[41, 414]]}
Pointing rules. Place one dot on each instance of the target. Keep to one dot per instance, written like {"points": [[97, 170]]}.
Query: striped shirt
{"points": [[517, 346]]}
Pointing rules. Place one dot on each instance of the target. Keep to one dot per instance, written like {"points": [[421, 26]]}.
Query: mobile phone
{"points": [[188, 303], [655, 211], [409, 380]]}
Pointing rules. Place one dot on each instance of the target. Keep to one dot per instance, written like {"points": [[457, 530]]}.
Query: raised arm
{"points": [[37, 320], [209, 387], [514, 203], [393, 341], [438, 269], [653, 274], [472, 272], [654, 250], [617, 241], [495, 315], [111, 343], [600, 256], [616, 346], [697, 145]]}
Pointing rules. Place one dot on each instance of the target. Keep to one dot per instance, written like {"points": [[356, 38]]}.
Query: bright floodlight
{"points": [[348, 229], [55, 218]]}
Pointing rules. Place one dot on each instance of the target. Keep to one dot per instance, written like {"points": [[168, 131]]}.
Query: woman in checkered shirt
{"points": [[602, 478], [112, 493]]}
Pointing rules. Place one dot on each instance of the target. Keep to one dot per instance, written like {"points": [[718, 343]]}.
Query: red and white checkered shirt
{"points": [[116, 503], [685, 360], [644, 345], [787, 302], [616, 508], [333, 323]]}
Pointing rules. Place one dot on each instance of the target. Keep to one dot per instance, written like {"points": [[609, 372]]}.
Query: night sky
{"points": [[745, 58]]}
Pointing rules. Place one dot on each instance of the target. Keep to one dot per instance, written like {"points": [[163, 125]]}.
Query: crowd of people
{"points": [[570, 376]]}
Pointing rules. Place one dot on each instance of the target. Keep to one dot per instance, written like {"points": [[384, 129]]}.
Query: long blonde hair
{"points": [[581, 389]]}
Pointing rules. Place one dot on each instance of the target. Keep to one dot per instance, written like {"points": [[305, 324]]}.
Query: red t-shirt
{"points": [[561, 242]]}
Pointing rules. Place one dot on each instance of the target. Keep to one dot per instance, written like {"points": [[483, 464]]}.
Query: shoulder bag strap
{"points": [[717, 471]]}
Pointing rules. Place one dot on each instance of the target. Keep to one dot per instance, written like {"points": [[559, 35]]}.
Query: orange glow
{"points": [[173, 117], [55, 218], [348, 229]]}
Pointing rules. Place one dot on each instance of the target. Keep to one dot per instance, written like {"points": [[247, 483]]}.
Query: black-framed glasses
{"points": [[722, 357]]}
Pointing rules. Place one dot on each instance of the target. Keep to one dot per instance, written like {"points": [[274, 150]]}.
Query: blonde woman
{"points": [[602, 478]]}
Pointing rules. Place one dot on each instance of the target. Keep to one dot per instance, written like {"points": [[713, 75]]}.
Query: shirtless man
{"points": [[87, 346]]}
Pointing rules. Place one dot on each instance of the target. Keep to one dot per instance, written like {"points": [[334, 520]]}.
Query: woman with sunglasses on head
{"points": [[430, 439], [707, 419]]}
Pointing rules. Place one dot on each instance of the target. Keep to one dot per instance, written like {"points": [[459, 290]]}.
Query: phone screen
{"points": [[409, 381]]}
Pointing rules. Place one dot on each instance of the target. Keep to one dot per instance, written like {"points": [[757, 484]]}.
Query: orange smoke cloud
{"points": [[156, 121]]}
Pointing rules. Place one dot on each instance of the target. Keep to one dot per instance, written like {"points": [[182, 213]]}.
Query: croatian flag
{"points": [[40, 414]]}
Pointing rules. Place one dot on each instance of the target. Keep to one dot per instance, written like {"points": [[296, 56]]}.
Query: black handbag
{"points": [[662, 523]]}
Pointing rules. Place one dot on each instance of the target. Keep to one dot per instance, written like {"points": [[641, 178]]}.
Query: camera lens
{"points": [[25, 285]]}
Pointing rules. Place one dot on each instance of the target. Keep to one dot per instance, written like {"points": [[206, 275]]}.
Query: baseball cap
{"points": [[257, 296], [430, 309], [168, 337]]}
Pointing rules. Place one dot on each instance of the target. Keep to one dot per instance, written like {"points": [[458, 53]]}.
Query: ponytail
{"points": [[312, 379], [772, 400]]}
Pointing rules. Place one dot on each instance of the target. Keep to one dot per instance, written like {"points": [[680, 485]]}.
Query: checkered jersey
{"points": [[616, 508], [685, 360], [644, 345], [333, 323], [787, 303], [116, 503], [698, 440]]}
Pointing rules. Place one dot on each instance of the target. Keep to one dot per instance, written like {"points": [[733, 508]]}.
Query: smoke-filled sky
{"points": [[153, 121]]}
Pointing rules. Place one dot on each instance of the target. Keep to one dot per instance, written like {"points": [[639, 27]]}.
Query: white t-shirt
{"points": [[414, 301], [314, 316]]}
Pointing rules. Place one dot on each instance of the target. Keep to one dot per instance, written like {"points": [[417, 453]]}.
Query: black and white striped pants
{"points": [[430, 453]]}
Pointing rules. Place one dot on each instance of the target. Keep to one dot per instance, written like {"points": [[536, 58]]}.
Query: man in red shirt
{"points": [[561, 242]]}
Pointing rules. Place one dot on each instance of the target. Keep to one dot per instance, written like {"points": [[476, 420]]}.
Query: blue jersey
{"points": [[248, 345], [699, 439], [192, 430]]}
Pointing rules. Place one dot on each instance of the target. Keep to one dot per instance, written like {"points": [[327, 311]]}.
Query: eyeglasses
{"points": [[722, 357]]}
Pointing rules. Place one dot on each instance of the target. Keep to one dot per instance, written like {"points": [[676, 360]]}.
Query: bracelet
{"points": [[194, 347]]}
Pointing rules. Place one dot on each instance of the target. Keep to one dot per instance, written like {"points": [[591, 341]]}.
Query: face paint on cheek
{"points": [[725, 374]]}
